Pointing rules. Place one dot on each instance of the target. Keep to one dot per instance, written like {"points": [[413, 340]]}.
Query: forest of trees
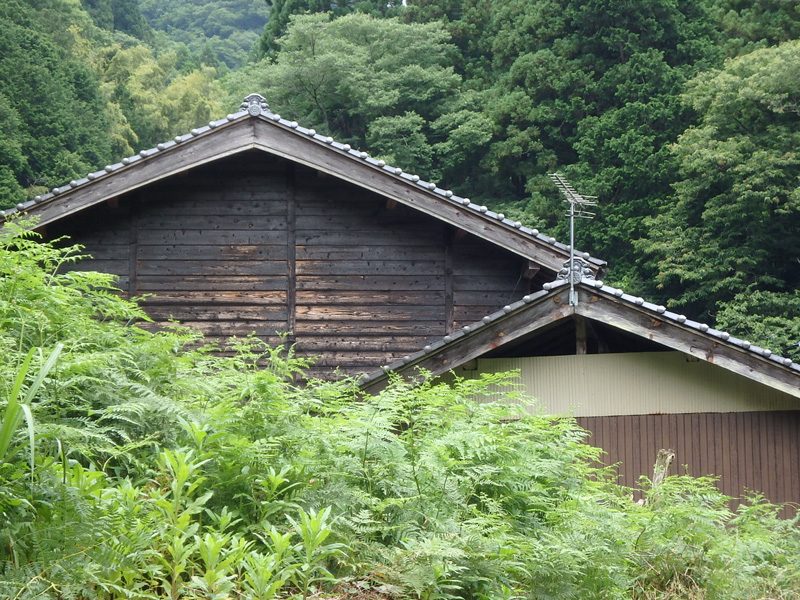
{"points": [[680, 115], [146, 465]]}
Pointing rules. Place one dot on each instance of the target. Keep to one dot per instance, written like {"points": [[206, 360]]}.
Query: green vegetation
{"points": [[163, 471], [219, 33], [140, 465], [732, 223], [373, 82], [680, 115], [74, 97]]}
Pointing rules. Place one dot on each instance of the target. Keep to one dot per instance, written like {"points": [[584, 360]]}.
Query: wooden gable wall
{"points": [[254, 243]]}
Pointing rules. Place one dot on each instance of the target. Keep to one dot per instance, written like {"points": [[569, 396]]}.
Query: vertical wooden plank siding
{"points": [[291, 251], [747, 450]]}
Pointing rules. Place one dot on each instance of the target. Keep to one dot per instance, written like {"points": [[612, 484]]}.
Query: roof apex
{"points": [[254, 108], [779, 372], [254, 104]]}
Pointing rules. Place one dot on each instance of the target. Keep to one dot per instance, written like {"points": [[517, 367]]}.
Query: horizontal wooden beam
{"points": [[515, 325], [529, 270], [642, 322]]}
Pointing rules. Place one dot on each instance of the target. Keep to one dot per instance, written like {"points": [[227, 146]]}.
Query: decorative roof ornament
{"points": [[254, 104], [580, 271]]}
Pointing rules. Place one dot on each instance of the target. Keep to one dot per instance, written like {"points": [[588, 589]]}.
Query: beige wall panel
{"points": [[633, 384]]}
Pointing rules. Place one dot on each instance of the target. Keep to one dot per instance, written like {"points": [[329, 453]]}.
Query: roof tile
{"points": [[247, 109]]}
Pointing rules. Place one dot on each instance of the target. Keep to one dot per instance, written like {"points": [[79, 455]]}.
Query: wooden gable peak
{"points": [[609, 305], [255, 126]]}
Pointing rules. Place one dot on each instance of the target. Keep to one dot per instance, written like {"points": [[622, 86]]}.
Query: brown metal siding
{"points": [[747, 450]]}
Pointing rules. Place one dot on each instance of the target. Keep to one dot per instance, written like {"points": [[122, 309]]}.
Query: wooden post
{"points": [[529, 269], [133, 244], [661, 468], [291, 250], [449, 311], [580, 335], [591, 331]]}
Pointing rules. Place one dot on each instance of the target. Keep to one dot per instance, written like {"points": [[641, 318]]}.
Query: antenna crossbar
{"points": [[570, 194]]}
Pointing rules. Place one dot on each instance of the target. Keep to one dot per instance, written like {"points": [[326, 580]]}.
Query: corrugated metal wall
{"points": [[634, 383], [717, 422], [755, 450]]}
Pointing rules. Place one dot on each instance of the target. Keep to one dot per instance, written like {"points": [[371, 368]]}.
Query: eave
{"points": [[607, 305], [265, 131]]}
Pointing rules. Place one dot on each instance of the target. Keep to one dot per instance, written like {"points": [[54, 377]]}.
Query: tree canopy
{"points": [[732, 225], [679, 115]]}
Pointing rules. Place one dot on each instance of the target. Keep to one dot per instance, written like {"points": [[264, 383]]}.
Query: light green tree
{"points": [[365, 80]]}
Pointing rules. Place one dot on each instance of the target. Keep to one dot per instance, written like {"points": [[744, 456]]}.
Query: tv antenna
{"points": [[578, 205]]}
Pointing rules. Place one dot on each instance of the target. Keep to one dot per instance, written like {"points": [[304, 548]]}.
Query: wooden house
{"points": [[255, 224]]}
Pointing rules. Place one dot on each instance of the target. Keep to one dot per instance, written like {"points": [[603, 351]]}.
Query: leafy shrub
{"points": [[163, 470]]}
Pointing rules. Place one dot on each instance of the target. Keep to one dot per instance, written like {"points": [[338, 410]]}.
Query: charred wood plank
{"points": [[216, 283], [387, 283], [203, 236], [211, 267], [369, 313], [212, 252], [369, 267], [370, 298]]}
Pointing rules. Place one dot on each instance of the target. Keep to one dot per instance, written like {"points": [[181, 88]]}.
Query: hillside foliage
{"points": [[138, 464], [680, 115], [219, 33]]}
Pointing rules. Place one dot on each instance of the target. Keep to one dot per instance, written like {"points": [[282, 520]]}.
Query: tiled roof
{"points": [[254, 106], [598, 286]]}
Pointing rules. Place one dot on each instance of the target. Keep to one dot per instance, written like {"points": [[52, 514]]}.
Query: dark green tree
{"points": [[732, 226], [215, 32], [749, 24], [51, 104], [128, 18], [362, 79], [771, 319], [589, 88], [281, 12]]}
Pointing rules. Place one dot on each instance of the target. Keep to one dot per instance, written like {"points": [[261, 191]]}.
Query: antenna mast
{"points": [[577, 209]]}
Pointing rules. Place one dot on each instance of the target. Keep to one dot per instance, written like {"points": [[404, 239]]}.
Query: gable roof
{"points": [[606, 304], [254, 126]]}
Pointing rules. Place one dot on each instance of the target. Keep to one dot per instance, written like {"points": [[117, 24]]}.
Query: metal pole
{"points": [[573, 297], [574, 198]]}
